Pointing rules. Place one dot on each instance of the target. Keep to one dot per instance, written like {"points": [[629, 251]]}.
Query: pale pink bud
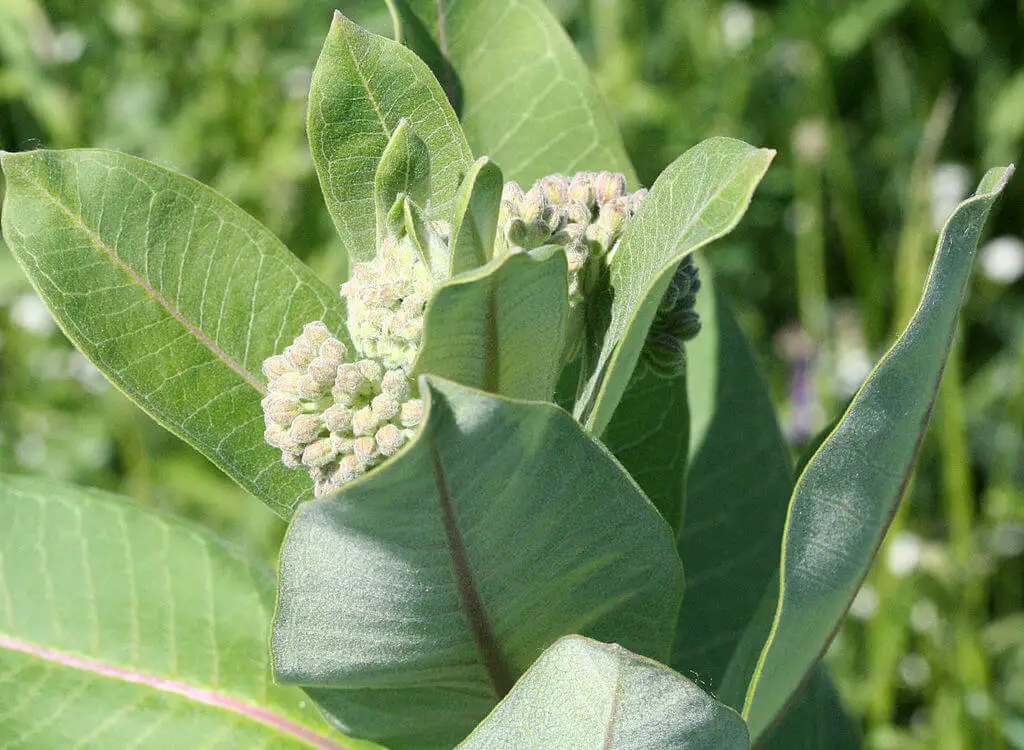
{"points": [[411, 413], [389, 439], [337, 418], [316, 333], [305, 428]]}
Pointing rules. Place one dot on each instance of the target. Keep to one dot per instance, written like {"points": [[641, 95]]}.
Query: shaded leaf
{"points": [[584, 694], [363, 85], [173, 292], [526, 98], [500, 328], [700, 197], [737, 492], [123, 628], [410, 601], [848, 492], [816, 720], [475, 216]]}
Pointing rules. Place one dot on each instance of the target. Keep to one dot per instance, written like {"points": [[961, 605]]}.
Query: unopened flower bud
{"points": [[581, 189], [614, 215], [365, 450], [371, 370], [389, 439], [316, 333], [276, 366], [348, 380], [299, 355], [323, 372], [512, 193], [291, 460], [337, 418], [534, 207], [364, 422], [349, 468], [384, 407], [609, 186], [305, 428], [309, 389], [555, 188], [333, 351], [319, 453], [411, 413], [576, 212], [281, 408], [516, 233], [395, 383]]}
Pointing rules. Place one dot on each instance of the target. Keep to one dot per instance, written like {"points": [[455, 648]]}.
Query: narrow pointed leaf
{"points": [[585, 694], [411, 601], [122, 628], [500, 328], [700, 196], [404, 169], [737, 492], [475, 216], [848, 492], [525, 97], [363, 85], [816, 720], [175, 293]]}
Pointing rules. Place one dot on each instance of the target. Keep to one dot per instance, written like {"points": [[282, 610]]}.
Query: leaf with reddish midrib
{"points": [[120, 627]]}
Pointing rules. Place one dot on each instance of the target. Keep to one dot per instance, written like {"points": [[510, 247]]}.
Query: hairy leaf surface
{"points": [[500, 328], [122, 628], [525, 97], [173, 292], [700, 196], [585, 694], [411, 601], [846, 496], [363, 84]]}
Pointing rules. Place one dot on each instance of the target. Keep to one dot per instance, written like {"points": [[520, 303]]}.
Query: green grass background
{"points": [[882, 111]]}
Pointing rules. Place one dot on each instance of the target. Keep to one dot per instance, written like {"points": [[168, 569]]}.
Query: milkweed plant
{"points": [[498, 446]]}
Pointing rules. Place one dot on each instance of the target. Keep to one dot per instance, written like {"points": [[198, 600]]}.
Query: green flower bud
{"points": [[675, 323], [608, 186], [581, 189]]}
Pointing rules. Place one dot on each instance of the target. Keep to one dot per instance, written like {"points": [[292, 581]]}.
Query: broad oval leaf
{"points": [[700, 196], [500, 328], [175, 293], [404, 169], [411, 601], [363, 84], [738, 487], [846, 496], [123, 628], [816, 720], [584, 694], [525, 97]]}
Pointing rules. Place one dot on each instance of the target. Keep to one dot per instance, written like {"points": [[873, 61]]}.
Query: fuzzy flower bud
{"points": [[675, 323]]}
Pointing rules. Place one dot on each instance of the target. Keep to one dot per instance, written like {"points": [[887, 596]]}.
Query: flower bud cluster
{"points": [[675, 323], [336, 417], [386, 298], [586, 214]]}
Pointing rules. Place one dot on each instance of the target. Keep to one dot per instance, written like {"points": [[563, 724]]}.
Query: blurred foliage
{"points": [[884, 112]]}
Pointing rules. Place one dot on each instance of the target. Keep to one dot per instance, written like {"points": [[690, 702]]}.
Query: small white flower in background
{"points": [[738, 26], [978, 704], [950, 185], [924, 616], [810, 140], [903, 554], [865, 603], [914, 670], [29, 313], [1002, 259], [68, 46]]}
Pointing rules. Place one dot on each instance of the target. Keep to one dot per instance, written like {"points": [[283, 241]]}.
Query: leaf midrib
{"points": [[194, 330], [195, 693]]}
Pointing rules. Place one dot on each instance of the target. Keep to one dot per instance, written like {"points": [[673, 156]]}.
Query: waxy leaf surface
{"points": [[524, 96], [173, 292], [847, 494], [698, 198], [500, 328], [411, 601], [585, 694], [122, 628], [737, 492], [362, 86], [816, 720]]}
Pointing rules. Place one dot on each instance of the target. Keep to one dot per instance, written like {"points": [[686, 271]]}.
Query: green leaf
{"points": [[816, 720], [475, 216], [411, 601], [649, 434], [123, 628], [700, 196], [175, 293], [525, 97], [363, 85], [737, 492], [848, 492], [500, 328], [404, 169], [583, 694]]}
